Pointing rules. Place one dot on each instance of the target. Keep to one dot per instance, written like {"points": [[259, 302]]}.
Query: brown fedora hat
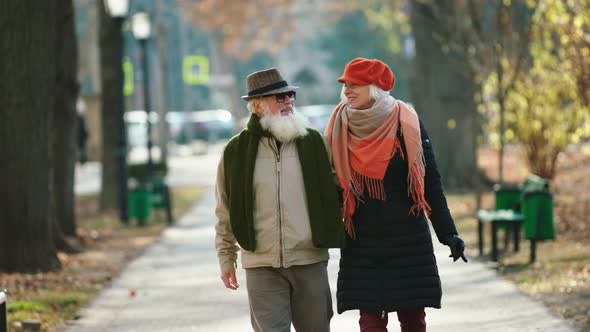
{"points": [[265, 83]]}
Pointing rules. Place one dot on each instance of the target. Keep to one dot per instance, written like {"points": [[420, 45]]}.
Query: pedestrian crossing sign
{"points": [[195, 70]]}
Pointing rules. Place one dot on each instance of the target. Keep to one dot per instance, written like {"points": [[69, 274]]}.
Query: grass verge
{"points": [[53, 298]]}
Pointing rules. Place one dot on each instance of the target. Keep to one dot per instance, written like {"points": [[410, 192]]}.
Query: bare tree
{"points": [[498, 34]]}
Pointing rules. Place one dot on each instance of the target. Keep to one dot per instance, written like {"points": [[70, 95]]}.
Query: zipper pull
{"points": [[383, 314]]}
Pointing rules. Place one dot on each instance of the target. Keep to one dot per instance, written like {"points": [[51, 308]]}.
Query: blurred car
{"points": [[180, 131], [192, 130], [317, 115], [212, 125]]}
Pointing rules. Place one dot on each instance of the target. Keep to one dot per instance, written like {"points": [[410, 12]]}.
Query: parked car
{"points": [[318, 115], [190, 131]]}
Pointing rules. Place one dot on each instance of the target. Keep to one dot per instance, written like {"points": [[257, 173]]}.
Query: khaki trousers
{"points": [[299, 294]]}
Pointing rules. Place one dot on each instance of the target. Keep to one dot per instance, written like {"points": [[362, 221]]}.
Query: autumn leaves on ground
{"points": [[560, 278]]}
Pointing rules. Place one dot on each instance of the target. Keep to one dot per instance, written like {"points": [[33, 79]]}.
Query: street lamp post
{"points": [[117, 9], [141, 28]]}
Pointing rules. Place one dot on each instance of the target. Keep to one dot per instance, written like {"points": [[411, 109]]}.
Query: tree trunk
{"points": [[443, 94], [111, 99], [27, 45], [65, 120]]}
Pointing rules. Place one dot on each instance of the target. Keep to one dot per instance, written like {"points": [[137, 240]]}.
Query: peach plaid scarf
{"points": [[363, 142]]}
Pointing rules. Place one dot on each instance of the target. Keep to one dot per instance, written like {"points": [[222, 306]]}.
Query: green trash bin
{"points": [[535, 183], [537, 208], [507, 197], [140, 203]]}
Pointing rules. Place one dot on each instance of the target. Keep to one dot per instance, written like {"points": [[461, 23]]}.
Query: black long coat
{"points": [[390, 265]]}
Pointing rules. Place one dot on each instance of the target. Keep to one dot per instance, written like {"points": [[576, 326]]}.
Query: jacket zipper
{"points": [[280, 214]]}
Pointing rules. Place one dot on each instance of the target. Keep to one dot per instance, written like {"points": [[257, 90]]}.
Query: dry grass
{"points": [[55, 297]]}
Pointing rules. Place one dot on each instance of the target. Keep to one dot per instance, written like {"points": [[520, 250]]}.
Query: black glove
{"points": [[457, 247]]}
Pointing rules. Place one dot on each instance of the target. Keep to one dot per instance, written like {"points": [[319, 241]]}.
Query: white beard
{"points": [[284, 128]]}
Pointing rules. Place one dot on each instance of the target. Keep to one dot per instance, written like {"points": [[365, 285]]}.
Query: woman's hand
{"points": [[457, 247]]}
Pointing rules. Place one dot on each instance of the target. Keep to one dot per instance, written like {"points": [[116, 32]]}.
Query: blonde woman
{"points": [[386, 167]]}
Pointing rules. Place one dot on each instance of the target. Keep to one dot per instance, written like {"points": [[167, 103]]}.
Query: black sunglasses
{"points": [[281, 96]]}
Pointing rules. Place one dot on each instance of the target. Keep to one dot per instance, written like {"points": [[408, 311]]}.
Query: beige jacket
{"points": [[281, 222]]}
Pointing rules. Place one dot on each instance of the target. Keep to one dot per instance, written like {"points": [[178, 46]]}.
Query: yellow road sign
{"points": [[195, 69]]}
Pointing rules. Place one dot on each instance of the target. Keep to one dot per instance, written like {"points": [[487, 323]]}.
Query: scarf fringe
{"points": [[348, 210], [376, 190], [353, 195], [416, 187], [374, 186]]}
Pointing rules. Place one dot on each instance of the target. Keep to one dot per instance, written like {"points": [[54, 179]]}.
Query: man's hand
{"points": [[229, 279], [457, 247]]}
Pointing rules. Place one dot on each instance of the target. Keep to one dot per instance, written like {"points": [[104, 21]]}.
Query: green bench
{"points": [[161, 198], [529, 205]]}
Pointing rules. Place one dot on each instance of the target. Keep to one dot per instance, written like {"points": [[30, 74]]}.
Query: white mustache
{"points": [[285, 128]]}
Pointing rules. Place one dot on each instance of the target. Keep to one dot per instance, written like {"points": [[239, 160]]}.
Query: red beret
{"points": [[366, 71]]}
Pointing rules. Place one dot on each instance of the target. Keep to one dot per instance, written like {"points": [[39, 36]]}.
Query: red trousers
{"points": [[409, 320]]}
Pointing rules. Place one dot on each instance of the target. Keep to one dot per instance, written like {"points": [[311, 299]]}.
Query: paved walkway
{"points": [[178, 289]]}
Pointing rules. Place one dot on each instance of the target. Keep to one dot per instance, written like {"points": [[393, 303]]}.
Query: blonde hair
{"points": [[375, 93]]}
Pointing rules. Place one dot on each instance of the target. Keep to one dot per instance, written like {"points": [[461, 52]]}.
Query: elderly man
{"points": [[276, 197]]}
